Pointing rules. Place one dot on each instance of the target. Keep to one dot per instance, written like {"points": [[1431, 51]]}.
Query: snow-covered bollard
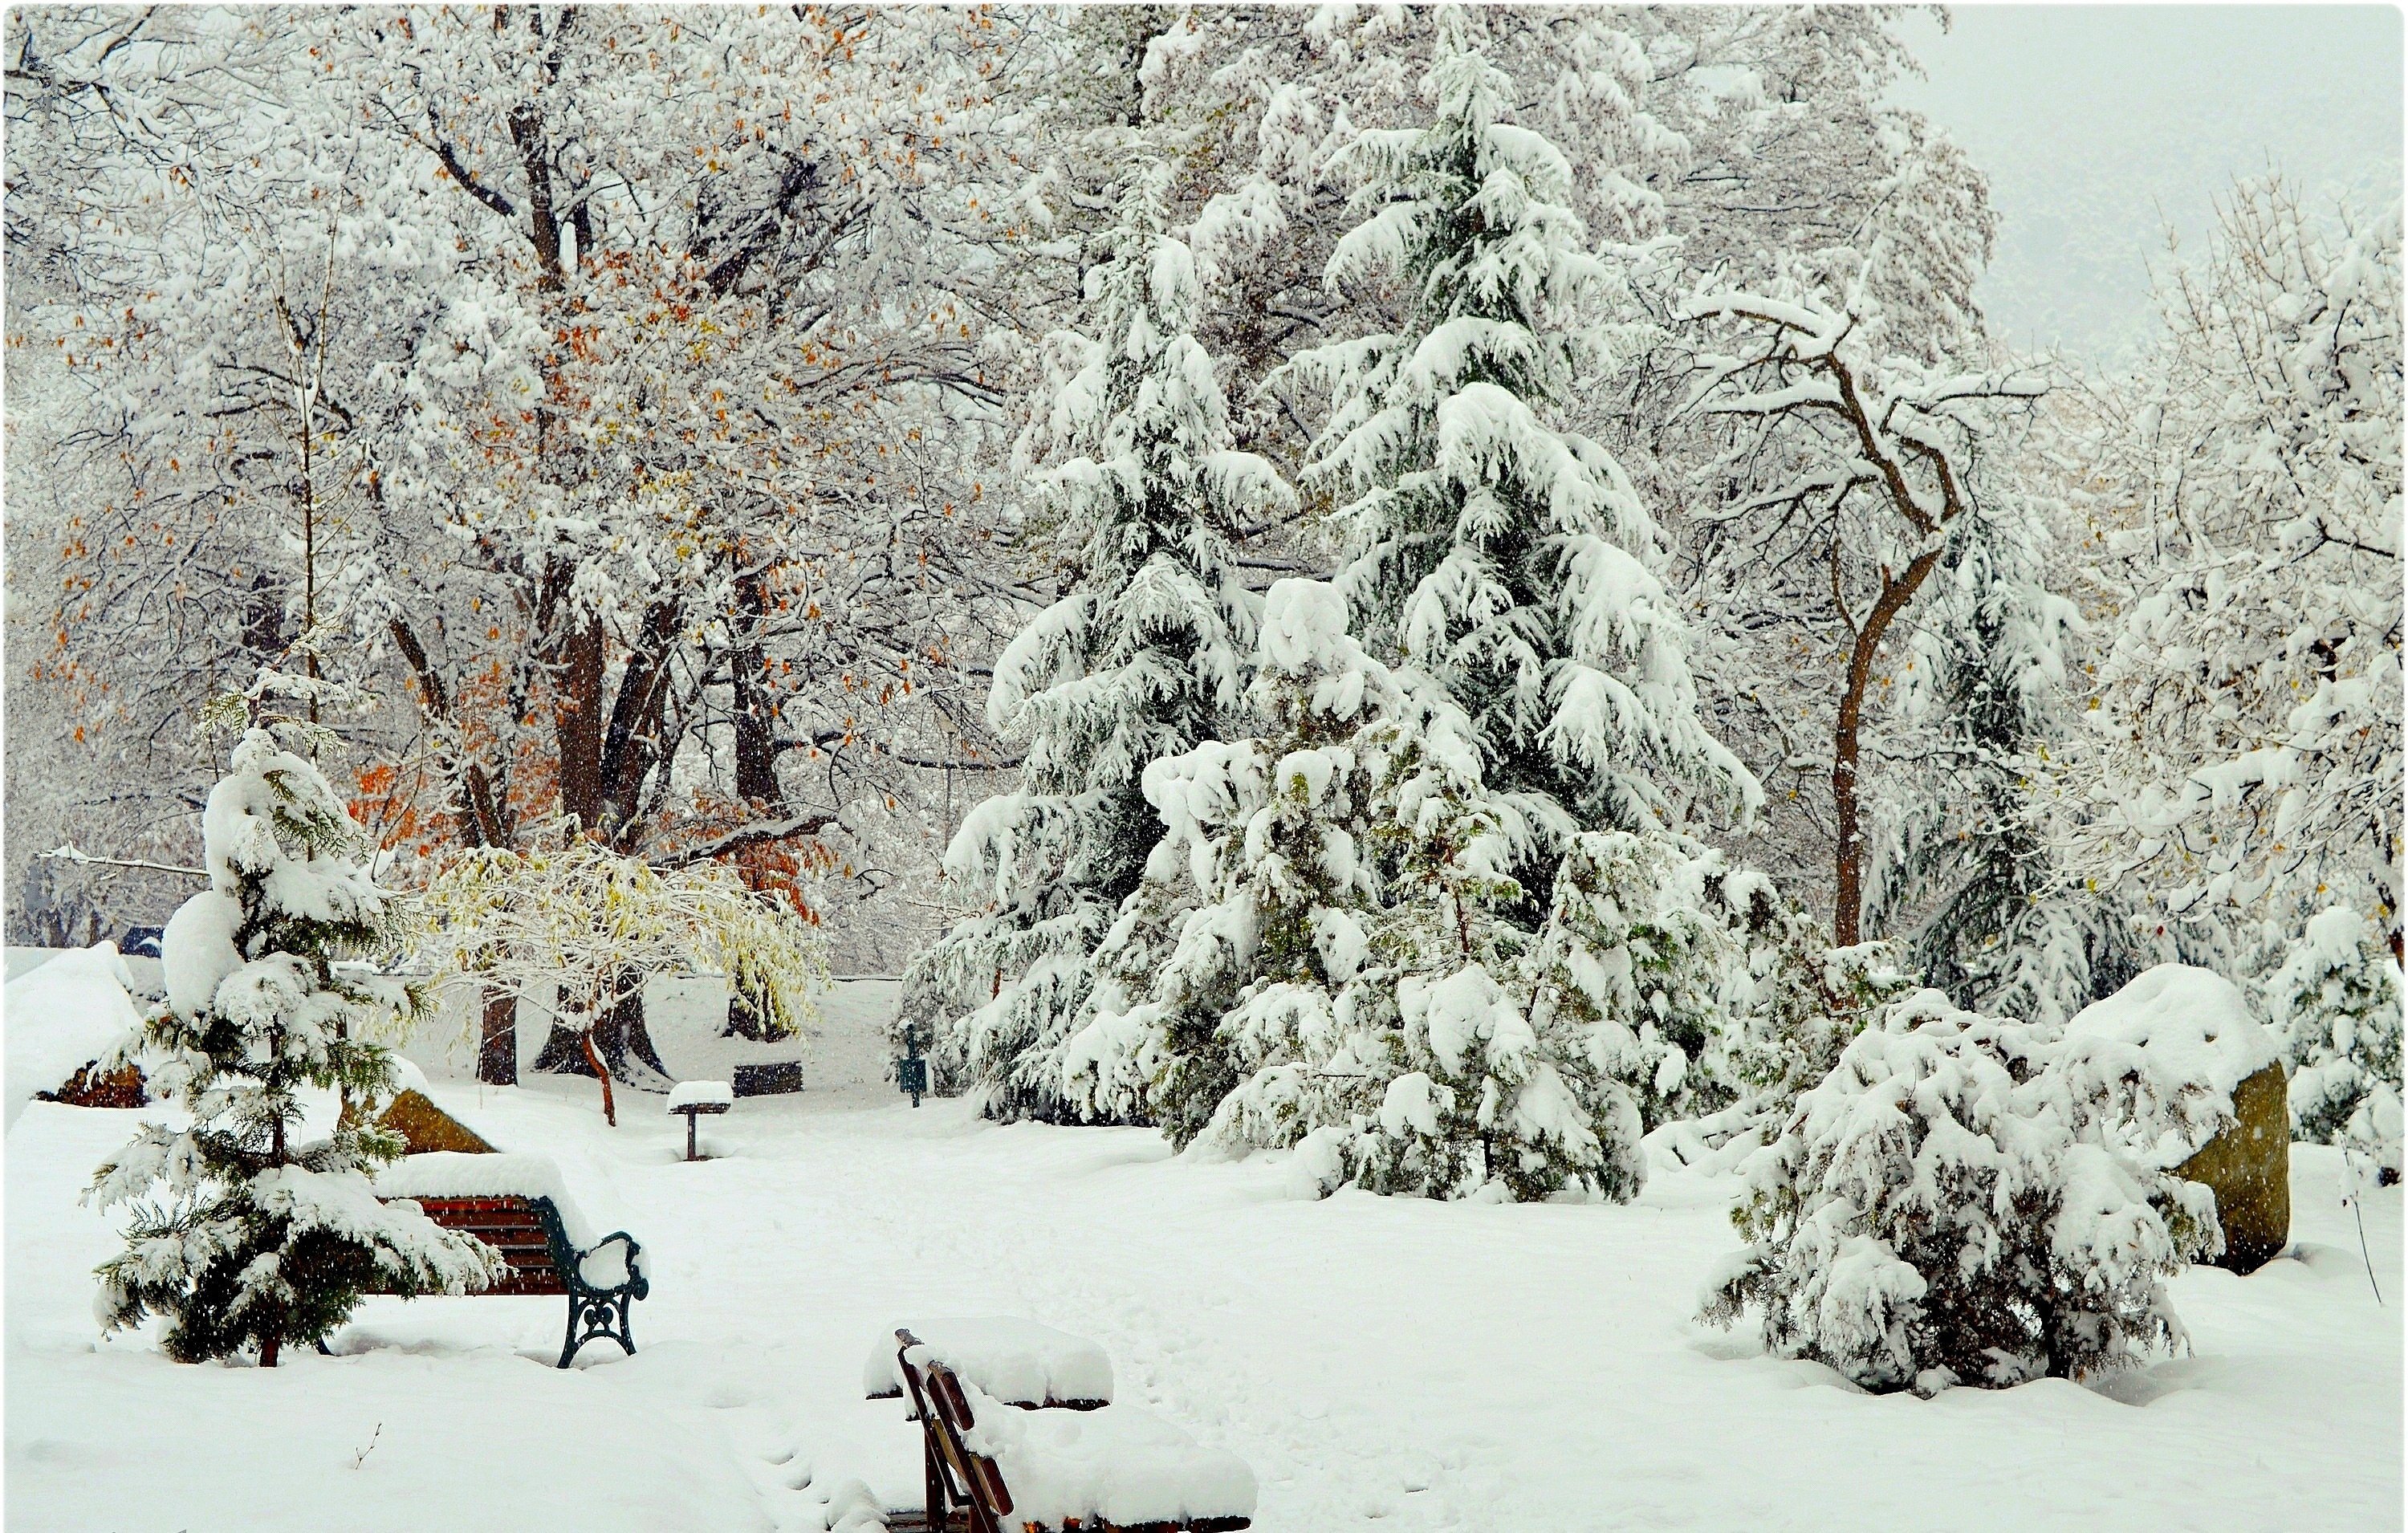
{"points": [[695, 1097]]}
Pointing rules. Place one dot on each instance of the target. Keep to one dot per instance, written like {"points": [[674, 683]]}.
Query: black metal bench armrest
{"points": [[637, 1285]]}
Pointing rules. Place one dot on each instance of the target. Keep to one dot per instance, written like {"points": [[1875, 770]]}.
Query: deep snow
{"points": [[1379, 1363]]}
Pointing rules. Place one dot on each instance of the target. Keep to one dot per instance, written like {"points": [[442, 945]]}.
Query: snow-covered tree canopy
{"points": [[573, 927], [842, 456]]}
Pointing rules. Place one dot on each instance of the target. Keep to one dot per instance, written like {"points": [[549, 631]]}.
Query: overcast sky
{"points": [[2100, 126]]}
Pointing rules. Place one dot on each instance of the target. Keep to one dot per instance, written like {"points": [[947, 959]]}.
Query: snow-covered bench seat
{"points": [[1112, 1470], [1018, 1362], [517, 1205]]}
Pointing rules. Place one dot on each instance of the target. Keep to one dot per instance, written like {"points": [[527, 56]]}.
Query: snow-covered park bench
{"points": [[1021, 1436], [517, 1205]]}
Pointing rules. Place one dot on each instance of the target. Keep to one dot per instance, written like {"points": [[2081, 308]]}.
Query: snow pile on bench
{"points": [[1120, 1465], [1017, 1361], [62, 1016], [701, 1094], [449, 1173]]}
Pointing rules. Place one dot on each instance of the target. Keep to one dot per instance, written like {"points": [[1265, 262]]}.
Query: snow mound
{"points": [[1017, 1361], [63, 1015], [196, 952], [2187, 1020], [1120, 1465]]}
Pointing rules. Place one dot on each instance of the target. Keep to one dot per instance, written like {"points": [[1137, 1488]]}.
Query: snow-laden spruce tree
{"points": [[1487, 546], [1972, 1200], [2336, 1003], [1340, 978], [1250, 938], [1640, 954], [241, 1233], [1133, 470], [2001, 923]]}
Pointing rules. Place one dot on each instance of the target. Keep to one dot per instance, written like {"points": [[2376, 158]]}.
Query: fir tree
{"points": [[2005, 929], [261, 1239], [1340, 976], [1486, 546], [1132, 470]]}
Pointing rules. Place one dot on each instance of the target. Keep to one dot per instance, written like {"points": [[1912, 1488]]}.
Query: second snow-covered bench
{"points": [[1112, 1468], [517, 1205]]}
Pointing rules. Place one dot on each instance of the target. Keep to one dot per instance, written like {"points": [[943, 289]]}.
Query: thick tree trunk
{"points": [[497, 1041], [617, 1036], [268, 1351], [577, 719]]}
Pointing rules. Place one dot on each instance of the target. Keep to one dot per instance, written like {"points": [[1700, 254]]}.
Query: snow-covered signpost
{"points": [[262, 1241], [576, 924]]}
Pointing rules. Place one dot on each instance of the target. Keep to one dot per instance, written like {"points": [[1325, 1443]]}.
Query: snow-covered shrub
{"points": [[1798, 1004], [239, 1236], [2336, 1003], [1971, 1201]]}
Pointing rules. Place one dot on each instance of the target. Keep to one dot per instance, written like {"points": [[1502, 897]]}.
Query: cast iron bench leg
{"points": [[598, 1313]]}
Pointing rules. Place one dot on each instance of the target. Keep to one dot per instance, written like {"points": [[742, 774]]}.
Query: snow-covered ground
{"points": [[1381, 1364]]}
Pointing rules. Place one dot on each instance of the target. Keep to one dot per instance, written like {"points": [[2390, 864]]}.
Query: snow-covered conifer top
{"points": [[275, 819]]}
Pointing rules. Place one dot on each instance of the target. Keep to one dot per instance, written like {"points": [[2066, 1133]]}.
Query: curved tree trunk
{"points": [[609, 1108]]}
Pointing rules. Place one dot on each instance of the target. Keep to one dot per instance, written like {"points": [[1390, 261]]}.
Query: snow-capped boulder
{"points": [[2193, 1083]]}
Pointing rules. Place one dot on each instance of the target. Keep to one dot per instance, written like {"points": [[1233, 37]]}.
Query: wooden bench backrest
{"points": [[954, 1473], [513, 1227]]}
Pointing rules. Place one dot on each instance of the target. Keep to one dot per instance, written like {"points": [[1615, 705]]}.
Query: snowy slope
{"points": [[1380, 1364]]}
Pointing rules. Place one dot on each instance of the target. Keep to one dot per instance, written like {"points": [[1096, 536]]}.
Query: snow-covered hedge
{"points": [[1967, 1201]]}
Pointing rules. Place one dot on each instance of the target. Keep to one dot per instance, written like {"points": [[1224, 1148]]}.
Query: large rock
{"points": [[425, 1127], [2248, 1167], [2185, 1042]]}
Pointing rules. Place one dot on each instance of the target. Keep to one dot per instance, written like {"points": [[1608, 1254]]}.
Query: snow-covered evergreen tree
{"points": [[1635, 952], [1342, 978], [1132, 467], [1486, 545], [240, 1234], [2003, 924], [1251, 937], [2336, 1002]]}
